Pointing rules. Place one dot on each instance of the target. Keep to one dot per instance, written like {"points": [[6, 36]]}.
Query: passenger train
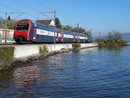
{"points": [[29, 31]]}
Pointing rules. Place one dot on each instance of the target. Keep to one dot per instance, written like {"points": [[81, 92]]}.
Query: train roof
{"points": [[68, 32]]}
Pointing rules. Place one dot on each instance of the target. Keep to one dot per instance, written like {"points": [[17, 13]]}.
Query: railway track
{"points": [[8, 44]]}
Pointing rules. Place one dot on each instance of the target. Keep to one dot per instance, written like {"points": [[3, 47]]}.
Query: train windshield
{"points": [[22, 27]]}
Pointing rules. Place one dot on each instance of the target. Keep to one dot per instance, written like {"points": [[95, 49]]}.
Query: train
{"points": [[28, 31]]}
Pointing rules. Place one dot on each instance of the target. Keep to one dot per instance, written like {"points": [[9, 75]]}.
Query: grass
{"points": [[104, 43], [43, 49], [77, 45], [6, 56]]}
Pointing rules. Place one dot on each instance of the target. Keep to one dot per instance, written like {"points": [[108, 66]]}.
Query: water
{"points": [[89, 73]]}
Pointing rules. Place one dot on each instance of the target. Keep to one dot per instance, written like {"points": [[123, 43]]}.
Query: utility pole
{"points": [[54, 22], [78, 27], [99, 35], [12, 19], [5, 26], [54, 26], [90, 32]]}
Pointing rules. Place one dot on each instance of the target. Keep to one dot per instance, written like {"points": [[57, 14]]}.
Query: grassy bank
{"points": [[76, 45], [113, 39], [108, 43], [43, 49], [6, 57]]}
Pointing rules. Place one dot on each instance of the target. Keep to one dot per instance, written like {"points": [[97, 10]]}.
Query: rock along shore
{"points": [[28, 53]]}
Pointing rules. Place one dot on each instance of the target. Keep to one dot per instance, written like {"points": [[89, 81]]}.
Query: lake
{"points": [[87, 73]]}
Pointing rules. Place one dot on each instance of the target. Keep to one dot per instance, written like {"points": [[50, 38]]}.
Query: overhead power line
{"points": [[63, 17], [31, 16], [20, 3], [20, 13], [6, 6], [32, 8], [45, 15], [41, 3], [54, 22]]}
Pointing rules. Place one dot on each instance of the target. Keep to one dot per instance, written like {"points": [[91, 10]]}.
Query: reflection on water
{"points": [[26, 77], [20, 81], [87, 73], [6, 80], [84, 50]]}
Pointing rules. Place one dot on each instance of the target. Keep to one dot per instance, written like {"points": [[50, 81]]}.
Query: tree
{"points": [[57, 23], [1, 21], [74, 30], [117, 36], [63, 27], [11, 24], [110, 36], [68, 27], [88, 33], [81, 30], [9, 18]]}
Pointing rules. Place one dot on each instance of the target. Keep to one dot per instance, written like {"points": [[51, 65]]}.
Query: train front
{"points": [[22, 30]]}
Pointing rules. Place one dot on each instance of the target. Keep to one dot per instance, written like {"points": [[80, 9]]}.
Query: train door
{"points": [[57, 37], [74, 38], [62, 37], [34, 34], [79, 39]]}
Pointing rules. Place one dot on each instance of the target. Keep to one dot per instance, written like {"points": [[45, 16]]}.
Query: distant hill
{"points": [[126, 37]]}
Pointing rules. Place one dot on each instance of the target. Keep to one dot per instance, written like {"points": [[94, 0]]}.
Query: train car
{"points": [[90, 39], [28, 31]]}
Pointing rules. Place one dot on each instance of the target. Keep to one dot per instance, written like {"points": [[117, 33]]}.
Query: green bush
{"points": [[112, 43], [6, 56], [43, 49], [77, 45], [121, 43], [101, 43]]}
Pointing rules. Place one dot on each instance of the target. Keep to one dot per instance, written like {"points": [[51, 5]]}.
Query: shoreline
{"points": [[30, 58], [128, 44]]}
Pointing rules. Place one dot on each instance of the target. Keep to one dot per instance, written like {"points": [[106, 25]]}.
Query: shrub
{"points": [[6, 56], [101, 43], [77, 45], [43, 49], [122, 43], [110, 43]]}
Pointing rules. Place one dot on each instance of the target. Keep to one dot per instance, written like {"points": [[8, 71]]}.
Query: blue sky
{"points": [[98, 15]]}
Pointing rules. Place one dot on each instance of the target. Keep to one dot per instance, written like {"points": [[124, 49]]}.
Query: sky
{"points": [[98, 15]]}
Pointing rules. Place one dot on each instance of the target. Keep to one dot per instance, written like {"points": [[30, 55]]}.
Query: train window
{"points": [[51, 29], [22, 27], [45, 27], [42, 27]]}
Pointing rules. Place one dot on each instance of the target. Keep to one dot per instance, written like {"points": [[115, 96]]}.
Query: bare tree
{"points": [[11, 24], [110, 36], [117, 36], [1, 20], [88, 33], [68, 27]]}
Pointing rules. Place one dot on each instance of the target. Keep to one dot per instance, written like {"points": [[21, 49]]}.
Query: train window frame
{"points": [[22, 27]]}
